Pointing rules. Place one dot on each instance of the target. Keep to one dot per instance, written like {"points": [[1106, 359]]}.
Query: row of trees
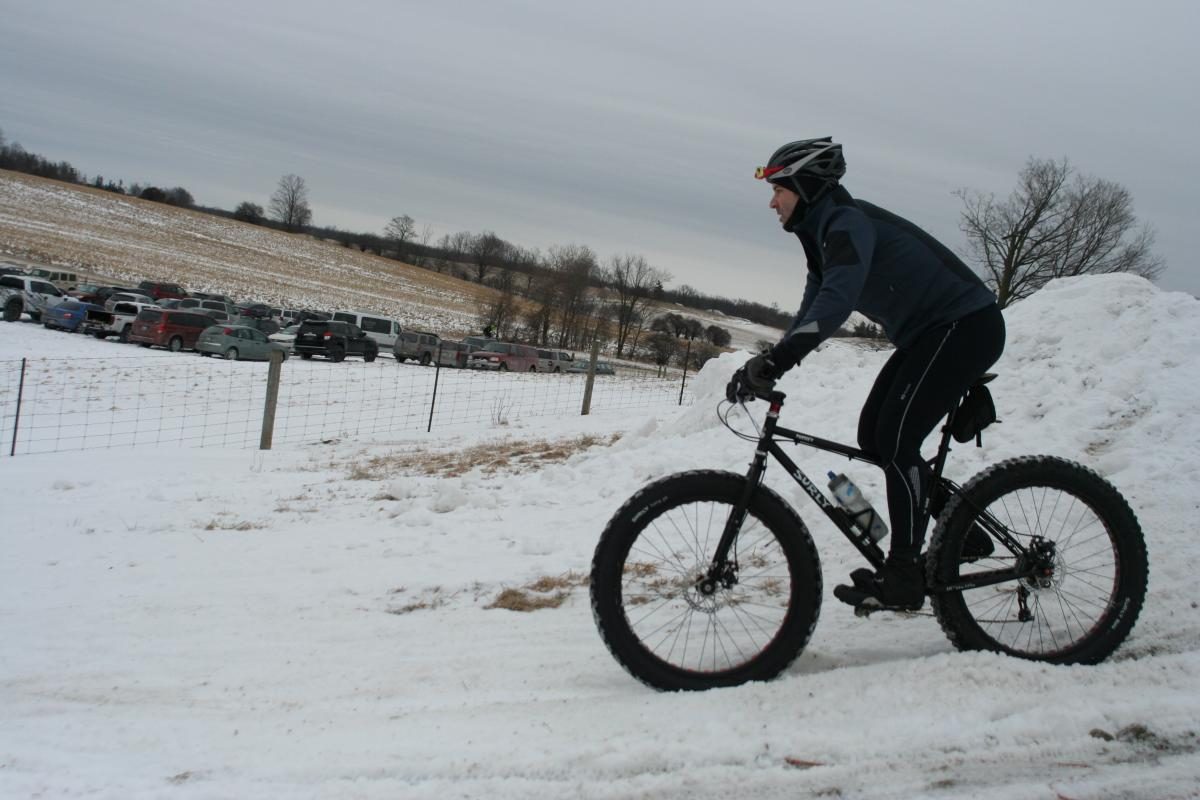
{"points": [[1056, 223], [16, 158]]}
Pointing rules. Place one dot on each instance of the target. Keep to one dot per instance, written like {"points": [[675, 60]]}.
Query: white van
{"points": [[383, 330]]}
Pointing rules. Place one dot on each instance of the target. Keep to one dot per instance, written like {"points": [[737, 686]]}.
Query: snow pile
{"points": [[221, 624]]}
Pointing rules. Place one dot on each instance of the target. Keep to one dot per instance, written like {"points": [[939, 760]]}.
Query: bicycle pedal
{"points": [[867, 608]]}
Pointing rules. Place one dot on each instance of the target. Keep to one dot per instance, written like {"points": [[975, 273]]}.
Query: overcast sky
{"points": [[629, 127]]}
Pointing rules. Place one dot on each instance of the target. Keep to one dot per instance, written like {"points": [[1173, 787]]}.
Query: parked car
{"points": [[105, 292], [554, 360], [264, 324], [478, 342], [505, 357], [118, 322], [68, 315], [454, 354], [63, 280], [162, 291], [210, 296], [25, 294], [383, 330], [418, 346], [334, 340], [237, 342], [85, 292], [285, 337], [602, 367], [127, 297], [174, 330], [256, 310]]}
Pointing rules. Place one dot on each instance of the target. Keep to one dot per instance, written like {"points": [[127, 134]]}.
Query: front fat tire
{"points": [[1101, 573], [649, 611]]}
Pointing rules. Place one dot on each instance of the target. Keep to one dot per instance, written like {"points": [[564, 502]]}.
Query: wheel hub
{"points": [[1047, 566]]}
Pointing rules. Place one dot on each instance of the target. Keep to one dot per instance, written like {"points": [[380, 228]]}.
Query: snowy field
{"points": [[316, 621]]}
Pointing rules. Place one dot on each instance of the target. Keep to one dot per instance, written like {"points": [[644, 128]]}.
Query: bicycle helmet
{"points": [[808, 167]]}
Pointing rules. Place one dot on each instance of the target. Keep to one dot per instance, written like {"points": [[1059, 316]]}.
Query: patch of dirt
{"points": [[510, 456]]}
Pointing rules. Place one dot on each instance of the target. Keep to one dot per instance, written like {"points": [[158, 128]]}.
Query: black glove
{"points": [[755, 379]]}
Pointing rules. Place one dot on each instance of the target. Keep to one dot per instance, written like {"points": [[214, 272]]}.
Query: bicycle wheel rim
{"points": [[1066, 608], [675, 619]]}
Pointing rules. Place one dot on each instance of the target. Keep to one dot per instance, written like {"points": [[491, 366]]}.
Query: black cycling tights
{"points": [[916, 388]]}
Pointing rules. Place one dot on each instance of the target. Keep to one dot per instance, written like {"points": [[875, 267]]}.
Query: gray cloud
{"points": [[627, 126]]}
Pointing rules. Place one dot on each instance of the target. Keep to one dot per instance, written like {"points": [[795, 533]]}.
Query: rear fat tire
{"points": [[649, 614], [1099, 583]]}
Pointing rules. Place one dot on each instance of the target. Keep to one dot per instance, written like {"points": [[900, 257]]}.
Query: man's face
{"points": [[784, 202]]}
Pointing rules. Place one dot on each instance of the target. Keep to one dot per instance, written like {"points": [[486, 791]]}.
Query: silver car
{"points": [[237, 343]]}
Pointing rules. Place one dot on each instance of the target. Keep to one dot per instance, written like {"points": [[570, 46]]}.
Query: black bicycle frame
{"points": [[768, 443]]}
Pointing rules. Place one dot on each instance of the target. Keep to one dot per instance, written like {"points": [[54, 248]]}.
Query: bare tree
{"points": [[398, 231], [289, 204], [544, 292], [717, 335], [426, 234], [633, 280], [1056, 223], [663, 347], [249, 212], [574, 267], [499, 313], [485, 251]]}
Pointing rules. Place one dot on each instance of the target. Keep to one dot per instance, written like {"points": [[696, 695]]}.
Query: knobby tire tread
{"points": [[1104, 500], [674, 491]]}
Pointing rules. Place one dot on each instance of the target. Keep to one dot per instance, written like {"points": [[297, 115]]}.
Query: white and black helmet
{"points": [[809, 167]]}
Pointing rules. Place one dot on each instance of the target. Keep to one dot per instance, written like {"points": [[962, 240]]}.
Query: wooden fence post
{"points": [[274, 370]]}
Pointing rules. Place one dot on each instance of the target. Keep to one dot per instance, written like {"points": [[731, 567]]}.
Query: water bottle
{"points": [[862, 515]]}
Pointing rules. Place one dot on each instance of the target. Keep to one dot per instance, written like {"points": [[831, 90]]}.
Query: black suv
{"points": [[335, 340]]}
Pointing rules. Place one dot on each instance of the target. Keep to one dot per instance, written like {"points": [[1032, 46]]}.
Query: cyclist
{"points": [[942, 319]]}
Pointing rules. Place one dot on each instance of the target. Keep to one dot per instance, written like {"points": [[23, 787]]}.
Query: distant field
{"points": [[128, 240]]}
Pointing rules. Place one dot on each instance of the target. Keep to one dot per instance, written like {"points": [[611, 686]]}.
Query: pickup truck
{"points": [[23, 294], [117, 322]]}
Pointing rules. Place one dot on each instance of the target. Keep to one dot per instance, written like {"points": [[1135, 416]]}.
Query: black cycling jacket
{"points": [[866, 259]]}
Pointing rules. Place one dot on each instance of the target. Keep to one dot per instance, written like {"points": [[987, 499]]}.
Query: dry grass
{"points": [[233, 525], [509, 456], [545, 592]]}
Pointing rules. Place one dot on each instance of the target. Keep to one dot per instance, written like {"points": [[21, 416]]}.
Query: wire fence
{"points": [[65, 405]]}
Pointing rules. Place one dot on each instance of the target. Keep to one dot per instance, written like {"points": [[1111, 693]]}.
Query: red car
{"points": [[505, 357], [162, 291], [174, 330]]}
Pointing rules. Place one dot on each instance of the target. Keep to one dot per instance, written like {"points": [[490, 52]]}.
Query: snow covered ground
{"points": [[314, 621]]}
